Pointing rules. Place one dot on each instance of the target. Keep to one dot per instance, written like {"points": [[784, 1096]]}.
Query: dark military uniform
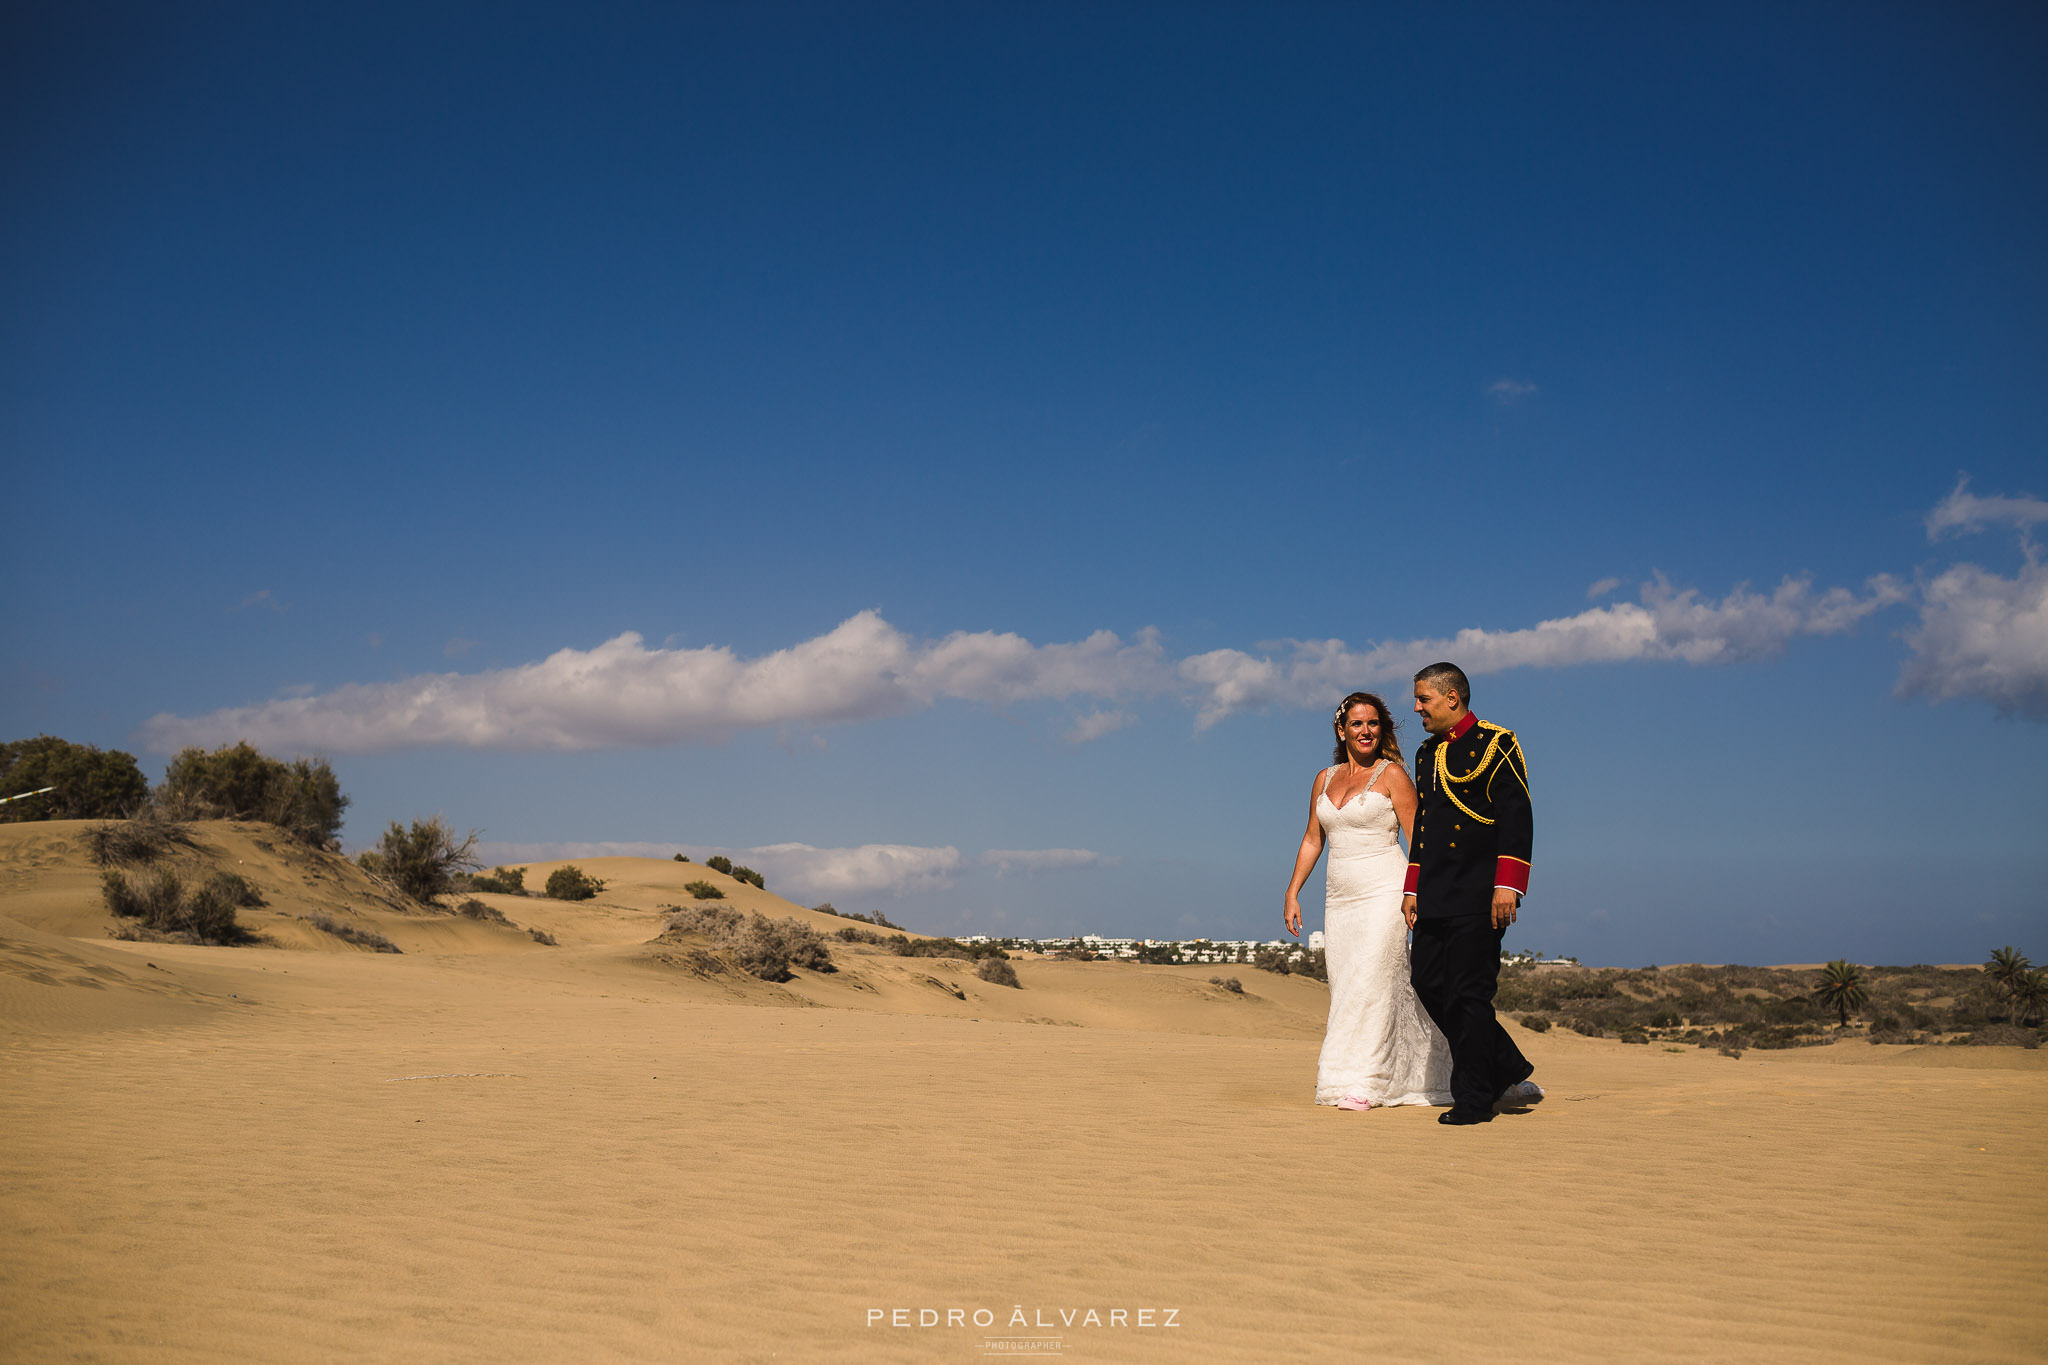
{"points": [[1473, 833]]}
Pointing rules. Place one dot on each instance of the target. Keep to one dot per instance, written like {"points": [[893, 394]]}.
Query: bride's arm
{"points": [[1305, 861], [1400, 789]]}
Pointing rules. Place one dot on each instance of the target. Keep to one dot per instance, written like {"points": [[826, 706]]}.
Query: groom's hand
{"points": [[1505, 903], [1408, 910]]}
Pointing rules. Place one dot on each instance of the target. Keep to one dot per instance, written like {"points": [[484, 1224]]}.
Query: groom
{"points": [[1468, 865]]}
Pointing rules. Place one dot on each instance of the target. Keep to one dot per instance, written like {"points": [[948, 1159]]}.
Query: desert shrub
{"points": [[570, 883], [238, 890], [146, 837], [1228, 983], [1587, 1027], [2005, 1035], [477, 910], [1535, 1023], [718, 862], [704, 891], [502, 881], [1634, 1035], [237, 782], [91, 783], [423, 861], [371, 861], [853, 935], [763, 947], [164, 905], [348, 933], [747, 874], [1313, 965], [905, 946], [542, 936], [825, 908], [878, 919], [997, 971], [681, 859]]}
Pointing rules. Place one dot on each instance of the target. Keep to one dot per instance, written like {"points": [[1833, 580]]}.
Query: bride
{"points": [[1379, 1047]]}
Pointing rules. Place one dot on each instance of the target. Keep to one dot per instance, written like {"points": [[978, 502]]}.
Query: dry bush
{"points": [[1535, 1023], [502, 881], [142, 838], [422, 861], [477, 910], [763, 947], [998, 972], [1228, 983], [348, 933], [542, 936], [704, 891], [162, 904]]}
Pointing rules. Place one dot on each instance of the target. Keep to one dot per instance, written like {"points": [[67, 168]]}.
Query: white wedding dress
{"points": [[1379, 1045]]}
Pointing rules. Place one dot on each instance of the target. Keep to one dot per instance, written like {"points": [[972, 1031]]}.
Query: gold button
{"points": [[1454, 843]]}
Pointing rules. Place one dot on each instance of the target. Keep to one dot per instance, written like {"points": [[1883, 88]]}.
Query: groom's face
{"points": [[1437, 709]]}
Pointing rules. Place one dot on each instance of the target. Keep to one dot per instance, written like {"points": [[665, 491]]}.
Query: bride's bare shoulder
{"points": [[1396, 779]]}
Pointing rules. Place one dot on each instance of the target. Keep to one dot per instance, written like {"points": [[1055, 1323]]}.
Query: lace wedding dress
{"points": [[1379, 1044]]}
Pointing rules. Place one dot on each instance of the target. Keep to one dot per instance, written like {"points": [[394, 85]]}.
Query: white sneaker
{"points": [[1520, 1095]]}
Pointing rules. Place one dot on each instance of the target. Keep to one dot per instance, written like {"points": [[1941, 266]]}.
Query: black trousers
{"points": [[1456, 969]]}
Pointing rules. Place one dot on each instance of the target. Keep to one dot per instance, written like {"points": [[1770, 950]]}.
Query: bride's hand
{"points": [[1292, 917]]}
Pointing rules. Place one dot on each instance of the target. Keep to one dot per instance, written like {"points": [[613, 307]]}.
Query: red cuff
{"points": [[1408, 882], [1511, 872]]}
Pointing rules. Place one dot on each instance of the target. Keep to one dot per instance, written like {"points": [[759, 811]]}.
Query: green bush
{"points": [[569, 883], [236, 782], [704, 891], [501, 881], [747, 874], [718, 862], [423, 861], [91, 783], [998, 972]]}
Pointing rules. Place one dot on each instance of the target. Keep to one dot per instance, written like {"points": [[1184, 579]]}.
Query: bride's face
{"points": [[1362, 730]]}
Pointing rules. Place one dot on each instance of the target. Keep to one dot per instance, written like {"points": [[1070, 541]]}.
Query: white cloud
{"points": [[1044, 859], [1963, 510], [1983, 636], [1602, 588], [1509, 392], [622, 694], [1093, 726], [1667, 625]]}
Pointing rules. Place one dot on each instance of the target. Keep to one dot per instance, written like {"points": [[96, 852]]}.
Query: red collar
{"points": [[1458, 730]]}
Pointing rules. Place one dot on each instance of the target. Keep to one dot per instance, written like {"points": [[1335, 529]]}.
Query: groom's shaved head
{"points": [[1447, 678]]}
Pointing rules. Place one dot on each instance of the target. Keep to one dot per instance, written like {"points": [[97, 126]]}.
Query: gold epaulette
{"points": [[1445, 777]]}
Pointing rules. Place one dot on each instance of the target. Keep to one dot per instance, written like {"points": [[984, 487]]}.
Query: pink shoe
{"points": [[1356, 1103]]}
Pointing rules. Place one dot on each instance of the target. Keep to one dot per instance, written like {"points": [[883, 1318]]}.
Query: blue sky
{"points": [[367, 373]]}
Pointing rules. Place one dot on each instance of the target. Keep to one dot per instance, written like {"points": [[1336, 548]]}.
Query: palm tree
{"points": [[2030, 994], [2008, 969], [1840, 989]]}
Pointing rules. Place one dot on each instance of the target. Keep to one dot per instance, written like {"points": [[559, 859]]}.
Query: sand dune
{"points": [[487, 1149]]}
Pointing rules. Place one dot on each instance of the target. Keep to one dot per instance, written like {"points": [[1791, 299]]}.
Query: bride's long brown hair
{"points": [[1390, 740]]}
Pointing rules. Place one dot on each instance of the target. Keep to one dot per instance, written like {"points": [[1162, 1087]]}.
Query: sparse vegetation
{"points": [[477, 910], [501, 881], [997, 972], [878, 918], [765, 948], [747, 874], [570, 883], [718, 862], [1535, 1023], [704, 891], [145, 838], [904, 946], [542, 936], [1308, 962], [348, 933], [236, 782], [91, 783], [1228, 983], [162, 904], [422, 861]]}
